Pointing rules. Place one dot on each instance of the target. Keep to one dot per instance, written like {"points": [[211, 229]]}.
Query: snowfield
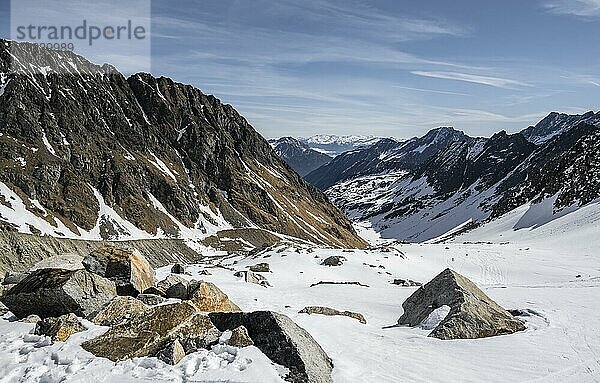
{"points": [[551, 272]]}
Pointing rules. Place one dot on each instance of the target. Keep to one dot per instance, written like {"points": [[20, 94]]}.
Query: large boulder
{"points": [[118, 311], [209, 298], [283, 341], [129, 269], [178, 268], [150, 332], [334, 260], [471, 315], [59, 329], [55, 292]]}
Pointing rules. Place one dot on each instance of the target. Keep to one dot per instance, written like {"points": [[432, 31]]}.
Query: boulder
{"points": [[332, 312], [283, 341], [149, 332], [178, 268], [471, 314], [260, 268], [209, 298], [59, 329], [172, 353], [173, 286], [64, 262], [128, 269], [334, 260], [252, 277], [3, 309], [55, 292], [151, 299], [118, 311], [240, 338]]}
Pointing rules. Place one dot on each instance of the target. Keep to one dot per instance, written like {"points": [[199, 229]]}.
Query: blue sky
{"points": [[382, 67]]}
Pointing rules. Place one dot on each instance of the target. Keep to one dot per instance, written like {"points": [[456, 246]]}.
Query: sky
{"points": [[380, 67]]}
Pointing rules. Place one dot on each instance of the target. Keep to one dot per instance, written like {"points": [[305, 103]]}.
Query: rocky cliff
{"points": [[87, 153]]}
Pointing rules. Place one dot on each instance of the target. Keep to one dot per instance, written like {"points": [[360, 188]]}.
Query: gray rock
{"points": [[283, 341], [472, 313], [129, 269], [55, 292], [334, 260], [333, 312], [406, 283], [262, 267], [3, 309], [174, 286], [64, 262], [149, 332], [118, 311], [172, 353], [151, 299], [178, 268], [240, 338], [252, 277], [61, 328]]}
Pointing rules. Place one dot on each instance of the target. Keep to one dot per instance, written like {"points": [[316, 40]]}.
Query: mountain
{"points": [[333, 145], [557, 123], [88, 153], [454, 182], [387, 155], [298, 155]]}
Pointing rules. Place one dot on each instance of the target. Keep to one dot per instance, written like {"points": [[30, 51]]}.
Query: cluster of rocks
{"points": [[117, 288], [332, 312], [406, 282]]}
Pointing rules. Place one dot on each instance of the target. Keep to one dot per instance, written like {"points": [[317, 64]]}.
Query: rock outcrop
{"points": [[333, 312], [55, 292], [283, 341], [334, 260], [472, 314], [129, 269], [150, 332], [262, 267]]}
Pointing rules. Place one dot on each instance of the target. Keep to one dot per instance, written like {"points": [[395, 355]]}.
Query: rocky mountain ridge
{"points": [[299, 155], [88, 153]]}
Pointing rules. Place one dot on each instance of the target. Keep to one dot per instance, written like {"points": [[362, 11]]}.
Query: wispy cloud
{"points": [[583, 8], [477, 79]]}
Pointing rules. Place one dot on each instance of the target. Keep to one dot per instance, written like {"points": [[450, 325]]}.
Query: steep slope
{"points": [[298, 155], [87, 153], [471, 181], [557, 123]]}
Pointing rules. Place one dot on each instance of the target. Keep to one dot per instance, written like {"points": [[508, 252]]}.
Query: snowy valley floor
{"points": [[555, 276]]}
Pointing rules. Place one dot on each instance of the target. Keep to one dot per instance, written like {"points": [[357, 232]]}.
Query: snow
{"points": [[435, 318], [161, 166], [47, 144], [551, 272]]}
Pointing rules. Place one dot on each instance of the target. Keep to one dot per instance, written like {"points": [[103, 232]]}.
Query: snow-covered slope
{"points": [[554, 280], [446, 181]]}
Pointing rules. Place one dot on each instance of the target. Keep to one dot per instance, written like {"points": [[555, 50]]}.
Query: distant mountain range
{"points": [[299, 155], [89, 154], [333, 145], [446, 181]]}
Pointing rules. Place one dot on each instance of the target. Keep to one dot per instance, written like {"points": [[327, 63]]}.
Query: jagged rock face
{"points": [[557, 123], [298, 155], [55, 292], [92, 154], [472, 314], [283, 341], [459, 182]]}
